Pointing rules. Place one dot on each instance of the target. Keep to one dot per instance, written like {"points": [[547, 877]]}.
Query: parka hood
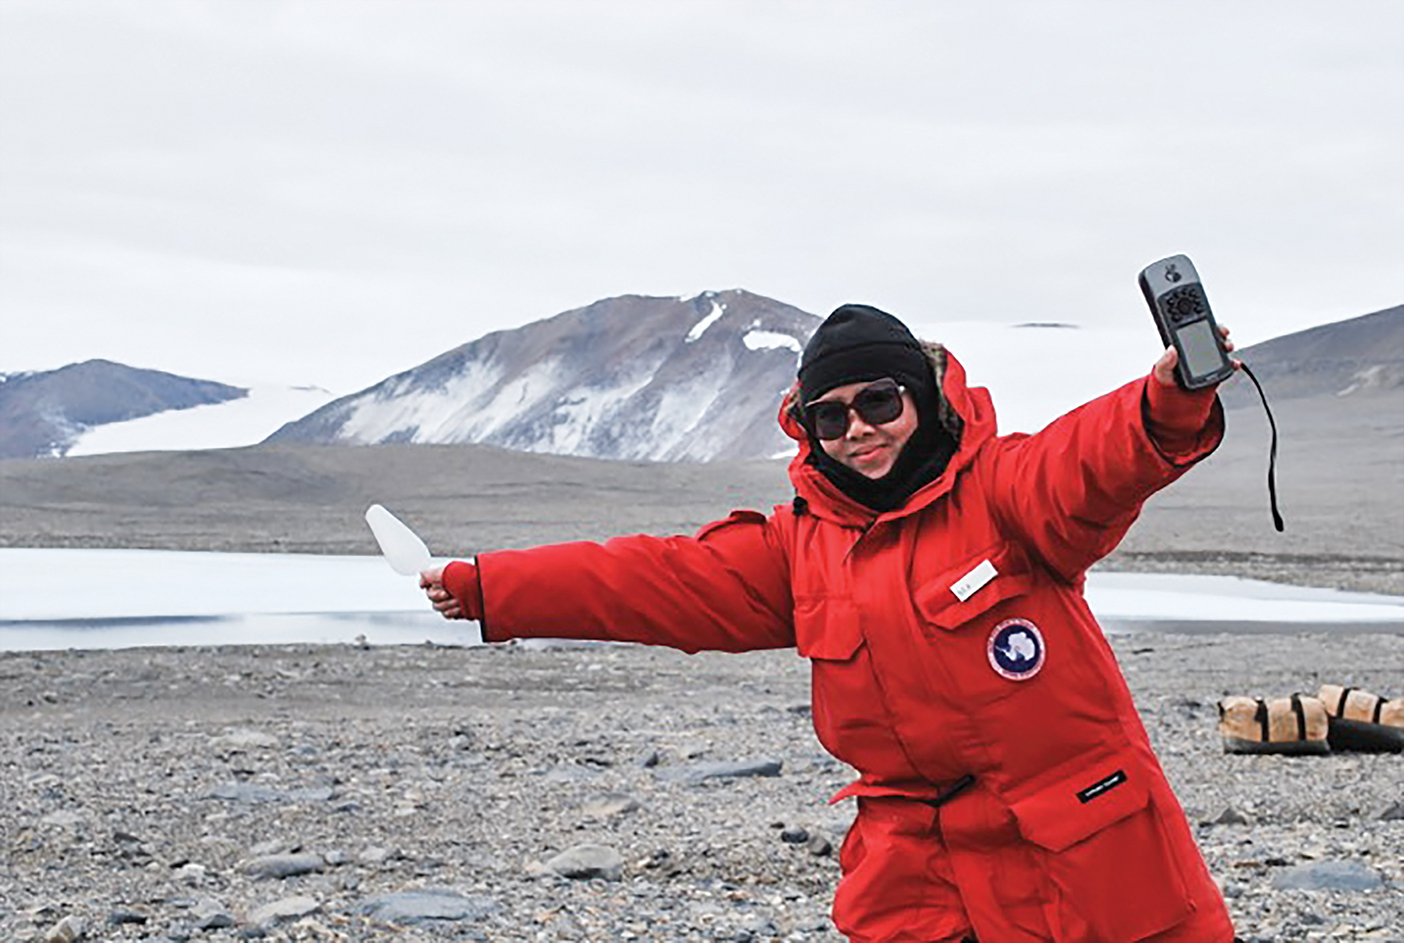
{"points": [[967, 413]]}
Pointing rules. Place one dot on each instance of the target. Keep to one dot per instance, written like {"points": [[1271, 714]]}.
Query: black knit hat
{"points": [[858, 343]]}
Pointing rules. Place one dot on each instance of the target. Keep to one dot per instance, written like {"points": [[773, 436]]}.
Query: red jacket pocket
{"points": [[826, 627], [983, 580], [1107, 852], [1082, 803]]}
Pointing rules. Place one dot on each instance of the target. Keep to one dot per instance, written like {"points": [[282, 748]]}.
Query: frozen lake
{"points": [[59, 599]]}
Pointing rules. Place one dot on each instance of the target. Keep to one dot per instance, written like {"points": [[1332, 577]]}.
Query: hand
{"points": [[432, 582], [1164, 369]]}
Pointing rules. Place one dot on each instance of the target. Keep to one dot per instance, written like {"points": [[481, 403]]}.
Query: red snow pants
{"points": [[901, 884]]}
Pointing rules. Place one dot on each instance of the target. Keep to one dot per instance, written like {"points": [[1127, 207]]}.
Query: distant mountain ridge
{"points": [[634, 377], [43, 413], [648, 378], [1361, 356]]}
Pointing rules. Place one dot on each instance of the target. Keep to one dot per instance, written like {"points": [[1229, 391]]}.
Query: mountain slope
{"points": [[1357, 357], [43, 414], [633, 377]]}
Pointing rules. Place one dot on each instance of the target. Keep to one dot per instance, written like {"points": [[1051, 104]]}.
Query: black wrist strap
{"points": [[1272, 451]]}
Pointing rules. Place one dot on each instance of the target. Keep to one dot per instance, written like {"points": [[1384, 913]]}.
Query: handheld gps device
{"points": [[1181, 311]]}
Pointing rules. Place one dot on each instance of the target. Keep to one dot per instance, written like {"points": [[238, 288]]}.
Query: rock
{"points": [[248, 792], [758, 928], [588, 861], [374, 855], [274, 846], [279, 911], [700, 772], [647, 759], [427, 904], [192, 875], [118, 918], [570, 774], [238, 741], [211, 914], [794, 835], [64, 818], [608, 805], [819, 846], [283, 866], [1328, 876], [1394, 813], [67, 930], [1229, 816]]}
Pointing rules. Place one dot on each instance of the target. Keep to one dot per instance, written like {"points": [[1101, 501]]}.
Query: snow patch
{"points": [[515, 397], [398, 409], [579, 416], [680, 409], [232, 424], [1364, 379], [769, 340], [701, 326]]}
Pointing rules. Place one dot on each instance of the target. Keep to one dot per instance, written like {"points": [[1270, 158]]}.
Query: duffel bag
{"points": [[1293, 725], [1363, 722]]}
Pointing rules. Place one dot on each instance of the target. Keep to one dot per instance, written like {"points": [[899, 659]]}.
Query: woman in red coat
{"points": [[932, 572]]}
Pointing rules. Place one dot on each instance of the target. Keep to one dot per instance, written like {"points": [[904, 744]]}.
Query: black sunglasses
{"points": [[877, 403]]}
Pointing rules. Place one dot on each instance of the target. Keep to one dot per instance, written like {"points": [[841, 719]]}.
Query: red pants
{"points": [[902, 884]]}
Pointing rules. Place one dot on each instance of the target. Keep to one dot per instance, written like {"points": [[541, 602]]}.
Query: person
{"points": [[932, 572]]}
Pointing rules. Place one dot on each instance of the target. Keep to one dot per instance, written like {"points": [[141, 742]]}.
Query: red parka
{"points": [[948, 639]]}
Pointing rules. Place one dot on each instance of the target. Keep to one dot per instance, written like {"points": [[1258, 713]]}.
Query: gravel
{"points": [[530, 792]]}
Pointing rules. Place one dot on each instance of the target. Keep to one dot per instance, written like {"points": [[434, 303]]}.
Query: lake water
{"points": [[59, 599]]}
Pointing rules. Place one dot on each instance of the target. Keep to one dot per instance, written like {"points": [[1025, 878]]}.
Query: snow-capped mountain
{"points": [[633, 377], [46, 412]]}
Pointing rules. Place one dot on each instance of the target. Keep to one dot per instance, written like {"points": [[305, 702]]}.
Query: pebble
{"points": [[64, 818], [283, 866], [700, 772], [608, 805], [237, 741]]}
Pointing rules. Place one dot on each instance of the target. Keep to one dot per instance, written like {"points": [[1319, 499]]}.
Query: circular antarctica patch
{"points": [[1016, 649]]}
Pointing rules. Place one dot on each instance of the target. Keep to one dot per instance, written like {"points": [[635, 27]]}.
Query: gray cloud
{"points": [[332, 192]]}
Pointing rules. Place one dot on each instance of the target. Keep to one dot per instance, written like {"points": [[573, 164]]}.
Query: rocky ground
{"points": [[579, 793]]}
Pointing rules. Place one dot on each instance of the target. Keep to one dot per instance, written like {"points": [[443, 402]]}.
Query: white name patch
{"points": [[966, 586]]}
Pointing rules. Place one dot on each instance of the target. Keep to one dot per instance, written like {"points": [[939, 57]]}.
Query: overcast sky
{"points": [[333, 192]]}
